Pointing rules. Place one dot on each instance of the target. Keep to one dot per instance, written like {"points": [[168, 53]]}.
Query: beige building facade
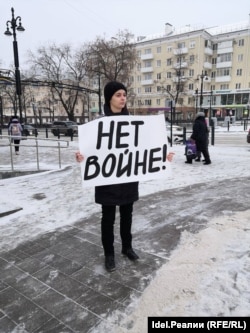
{"points": [[192, 70]]}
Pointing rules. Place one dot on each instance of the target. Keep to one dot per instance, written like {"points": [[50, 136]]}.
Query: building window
{"points": [[158, 76], [169, 49], [158, 63], [241, 42], [147, 101], [148, 76], [207, 43], [147, 63], [239, 72], [169, 62], [147, 51], [192, 44], [225, 57], [213, 75], [169, 75], [181, 45], [191, 59], [240, 57], [158, 101], [237, 98], [191, 86], [245, 98], [158, 50], [223, 72], [191, 72], [148, 89], [238, 86]]}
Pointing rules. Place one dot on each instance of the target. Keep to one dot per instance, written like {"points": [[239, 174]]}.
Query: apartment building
{"points": [[178, 73], [193, 69]]}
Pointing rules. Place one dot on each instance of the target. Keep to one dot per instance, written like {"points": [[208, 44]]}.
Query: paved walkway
{"points": [[57, 282]]}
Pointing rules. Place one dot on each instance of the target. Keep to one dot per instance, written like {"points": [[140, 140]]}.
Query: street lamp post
{"points": [[210, 107], [196, 100], [13, 25], [202, 76]]}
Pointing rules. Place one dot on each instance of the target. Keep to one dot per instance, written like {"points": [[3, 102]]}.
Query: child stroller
{"points": [[190, 151]]}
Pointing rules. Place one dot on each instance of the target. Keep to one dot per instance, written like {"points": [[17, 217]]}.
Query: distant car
{"points": [[29, 130], [177, 133], [248, 136], [67, 128]]}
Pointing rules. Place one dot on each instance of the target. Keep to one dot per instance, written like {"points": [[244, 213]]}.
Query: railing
{"points": [[60, 144]]}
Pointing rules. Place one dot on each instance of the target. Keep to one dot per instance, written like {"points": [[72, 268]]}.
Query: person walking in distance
{"points": [[122, 195], [15, 131], [200, 135]]}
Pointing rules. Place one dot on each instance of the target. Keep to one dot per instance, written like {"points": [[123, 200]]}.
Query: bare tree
{"points": [[178, 88], [112, 59], [65, 69]]}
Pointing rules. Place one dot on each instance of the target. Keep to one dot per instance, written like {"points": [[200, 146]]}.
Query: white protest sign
{"points": [[123, 149]]}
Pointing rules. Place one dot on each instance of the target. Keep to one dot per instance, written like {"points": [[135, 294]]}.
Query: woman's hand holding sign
{"points": [[79, 157], [170, 156]]}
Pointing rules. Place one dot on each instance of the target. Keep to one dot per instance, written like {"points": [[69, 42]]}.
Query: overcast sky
{"points": [[78, 21]]}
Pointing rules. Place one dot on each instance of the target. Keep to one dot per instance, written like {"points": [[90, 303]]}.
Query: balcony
{"points": [[208, 51], [183, 64], [183, 50], [223, 79], [224, 64], [146, 69], [225, 50], [146, 82], [207, 65], [147, 56], [181, 79]]}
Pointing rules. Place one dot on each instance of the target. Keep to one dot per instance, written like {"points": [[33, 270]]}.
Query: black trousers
{"points": [[206, 155], [107, 227], [16, 143]]}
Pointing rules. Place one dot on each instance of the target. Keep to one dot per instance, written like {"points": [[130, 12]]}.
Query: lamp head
{"points": [[20, 27], [7, 32]]}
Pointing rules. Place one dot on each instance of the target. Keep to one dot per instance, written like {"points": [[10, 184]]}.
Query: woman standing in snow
{"points": [[122, 195]]}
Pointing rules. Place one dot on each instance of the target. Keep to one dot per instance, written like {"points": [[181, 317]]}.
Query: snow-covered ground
{"points": [[207, 270]]}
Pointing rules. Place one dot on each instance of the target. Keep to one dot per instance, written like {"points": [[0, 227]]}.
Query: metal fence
{"points": [[36, 143]]}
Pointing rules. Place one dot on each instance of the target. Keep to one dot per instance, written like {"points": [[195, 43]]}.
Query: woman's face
{"points": [[118, 101]]}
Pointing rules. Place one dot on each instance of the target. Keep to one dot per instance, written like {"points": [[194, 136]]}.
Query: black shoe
{"points": [[207, 162], [189, 162], [110, 263], [130, 253], [197, 159], [203, 160]]}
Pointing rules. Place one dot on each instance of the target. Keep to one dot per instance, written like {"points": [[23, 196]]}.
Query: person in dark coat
{"points": [[122, 195], [200, 135]]}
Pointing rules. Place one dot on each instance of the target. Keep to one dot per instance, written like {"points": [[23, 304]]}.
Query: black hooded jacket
{"points": [[200, 133], [116, 194]]}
